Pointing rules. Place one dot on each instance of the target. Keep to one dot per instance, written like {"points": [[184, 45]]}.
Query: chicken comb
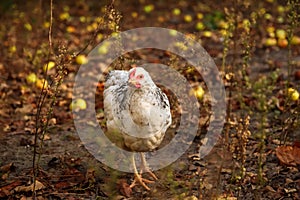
{"points": [[132, 74]]}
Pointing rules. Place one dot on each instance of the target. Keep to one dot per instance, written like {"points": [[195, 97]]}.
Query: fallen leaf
{"points": [[124, 188], [292, 190], [296, 144], [5, 190], [47, 137], [6, 168], [227, 198], [63, 185], [288, 155], [269, 188], [191, 198], [38, 186]]}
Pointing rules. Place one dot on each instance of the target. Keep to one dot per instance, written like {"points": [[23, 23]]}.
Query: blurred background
{"points": [[255, 45]]}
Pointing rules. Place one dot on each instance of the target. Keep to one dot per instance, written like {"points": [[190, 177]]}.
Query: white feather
{"points": [[141, 115]]}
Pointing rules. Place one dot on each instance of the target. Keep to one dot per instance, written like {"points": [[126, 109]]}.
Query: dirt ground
{"points": [[68, 171]]}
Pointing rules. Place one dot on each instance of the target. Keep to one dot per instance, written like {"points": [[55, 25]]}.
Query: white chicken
{"points": [[137, 109]]}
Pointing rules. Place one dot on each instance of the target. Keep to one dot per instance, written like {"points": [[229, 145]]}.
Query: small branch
{"points": [[40, 103]]}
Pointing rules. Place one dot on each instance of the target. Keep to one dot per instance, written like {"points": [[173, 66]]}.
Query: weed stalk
{"points": [[51, 91]]}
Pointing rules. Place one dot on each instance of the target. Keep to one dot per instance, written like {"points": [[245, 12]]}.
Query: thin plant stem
{"points": [[40, 103]]}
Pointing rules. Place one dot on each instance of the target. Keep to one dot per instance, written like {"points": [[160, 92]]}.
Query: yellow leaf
{"points": [[50, 65]]}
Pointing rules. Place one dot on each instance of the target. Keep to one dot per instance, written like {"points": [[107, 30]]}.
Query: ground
{"points": [[255, 46]]}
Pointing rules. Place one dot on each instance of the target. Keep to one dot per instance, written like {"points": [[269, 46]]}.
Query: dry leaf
{"points": [[7, 168], [63, 185], [5, 190], [269, 188], [224, 197], [47, 137], [38, 186], [231, 198], [124, 188], [288, 155], [191, 198]]}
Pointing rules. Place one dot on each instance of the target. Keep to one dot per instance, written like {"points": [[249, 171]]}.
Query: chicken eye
{"points": [[140, 76]]}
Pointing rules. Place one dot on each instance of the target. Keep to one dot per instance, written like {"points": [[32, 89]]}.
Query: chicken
{"points": [[137, 109]]}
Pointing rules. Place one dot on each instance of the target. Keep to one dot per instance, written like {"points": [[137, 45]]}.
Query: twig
{"points": [[40, 103]]}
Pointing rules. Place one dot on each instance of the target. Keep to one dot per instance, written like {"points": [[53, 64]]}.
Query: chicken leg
{"points": [[145, 167], [138, 176]]}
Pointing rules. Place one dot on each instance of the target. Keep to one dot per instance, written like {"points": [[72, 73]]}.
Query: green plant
{"points": [[262, 91]]}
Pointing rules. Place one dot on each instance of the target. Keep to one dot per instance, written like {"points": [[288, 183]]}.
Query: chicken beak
{"points": [[134, 82]]}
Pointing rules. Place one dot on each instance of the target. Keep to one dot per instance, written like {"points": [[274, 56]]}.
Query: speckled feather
{"points": [[144, 112]]}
